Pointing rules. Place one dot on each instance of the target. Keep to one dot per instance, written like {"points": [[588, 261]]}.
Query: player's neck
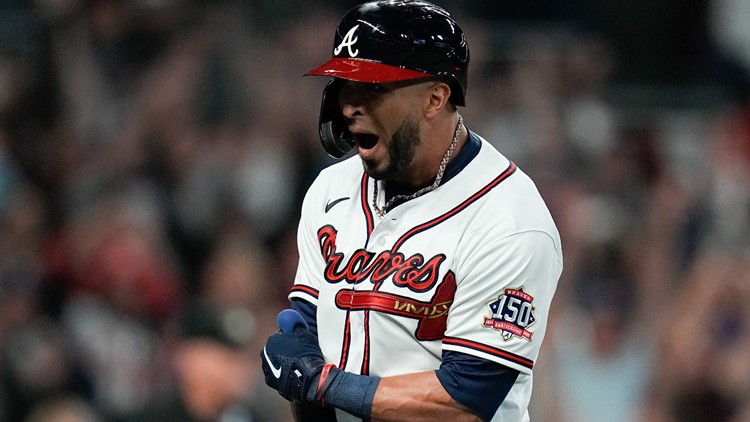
{"points": [[435, 145], [394, 188]]}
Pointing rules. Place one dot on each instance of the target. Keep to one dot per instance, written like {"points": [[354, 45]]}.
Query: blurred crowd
{"points": [[154, 154]]}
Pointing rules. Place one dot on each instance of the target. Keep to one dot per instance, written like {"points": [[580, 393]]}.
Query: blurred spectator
{"points": [[120, 283], [217, 373], [37, 365], [240, 272], [727, 193], [63, 409], [729, 32], [601, 353], [704, 371]]}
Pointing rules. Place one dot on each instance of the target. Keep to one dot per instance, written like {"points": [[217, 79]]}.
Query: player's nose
{"points": [[351, 100]]}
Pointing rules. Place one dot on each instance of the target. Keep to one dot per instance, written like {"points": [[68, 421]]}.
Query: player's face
{"points": [[385, 125]]}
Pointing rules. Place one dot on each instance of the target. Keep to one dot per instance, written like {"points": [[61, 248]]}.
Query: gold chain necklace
{"points": [[443, 164]]}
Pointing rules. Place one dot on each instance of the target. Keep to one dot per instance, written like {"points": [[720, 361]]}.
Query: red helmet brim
{"points": [[361, 70]]}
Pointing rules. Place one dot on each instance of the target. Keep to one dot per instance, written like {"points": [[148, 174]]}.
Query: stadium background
{"points": [[153, 156]]}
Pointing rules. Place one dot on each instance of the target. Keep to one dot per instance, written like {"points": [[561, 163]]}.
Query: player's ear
{"points": [[438, 96]]}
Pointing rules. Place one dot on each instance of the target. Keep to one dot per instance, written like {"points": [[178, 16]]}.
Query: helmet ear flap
{"points": [[335, 136]]}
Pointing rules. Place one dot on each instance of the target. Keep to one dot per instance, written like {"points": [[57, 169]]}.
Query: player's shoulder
{"points": [[513, 201], [502, 176], [341, 178], [350, 168]]}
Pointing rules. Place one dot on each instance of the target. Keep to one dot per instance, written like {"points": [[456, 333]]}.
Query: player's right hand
{"points": [[292, 360]]}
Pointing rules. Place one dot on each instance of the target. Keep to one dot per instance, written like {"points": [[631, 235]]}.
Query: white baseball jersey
{"points": [[469, 267]]}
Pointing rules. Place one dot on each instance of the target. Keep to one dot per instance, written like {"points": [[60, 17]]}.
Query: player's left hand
{"points": [[292, 360]]}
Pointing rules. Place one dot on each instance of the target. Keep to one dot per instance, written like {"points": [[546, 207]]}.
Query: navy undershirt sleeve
{"points": [[479, 384], [309, 313]]}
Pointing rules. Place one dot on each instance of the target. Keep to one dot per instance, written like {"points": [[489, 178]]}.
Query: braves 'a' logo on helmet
{"points": [[348, 41]]}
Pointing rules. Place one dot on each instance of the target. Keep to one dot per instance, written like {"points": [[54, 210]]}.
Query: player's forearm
{"points": [[293, 365], [416, 397]]}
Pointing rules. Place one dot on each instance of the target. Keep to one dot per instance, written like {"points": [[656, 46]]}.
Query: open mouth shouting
{"points": [[366, 140]]}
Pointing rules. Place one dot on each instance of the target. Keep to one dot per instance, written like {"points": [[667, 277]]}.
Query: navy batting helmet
{"points": [[387, 41]]}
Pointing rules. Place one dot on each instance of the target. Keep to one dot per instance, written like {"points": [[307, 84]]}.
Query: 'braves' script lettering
{"points": [[414, 272]]}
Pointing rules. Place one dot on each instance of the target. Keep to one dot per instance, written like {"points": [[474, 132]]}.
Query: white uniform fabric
{"points": [[469, 267]]}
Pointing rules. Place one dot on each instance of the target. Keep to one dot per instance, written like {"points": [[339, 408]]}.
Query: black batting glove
{"points": [[293, 363]]}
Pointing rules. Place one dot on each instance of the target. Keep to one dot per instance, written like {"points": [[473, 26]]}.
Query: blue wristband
{"points": [[352, 393]]}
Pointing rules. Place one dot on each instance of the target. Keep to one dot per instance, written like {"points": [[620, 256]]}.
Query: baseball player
{"points": [[428, 260]]}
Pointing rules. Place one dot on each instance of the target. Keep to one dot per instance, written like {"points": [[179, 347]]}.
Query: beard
{"points": [[401, 151]]}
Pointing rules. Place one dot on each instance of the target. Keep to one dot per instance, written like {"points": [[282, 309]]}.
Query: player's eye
{"points": [[376, 87]]}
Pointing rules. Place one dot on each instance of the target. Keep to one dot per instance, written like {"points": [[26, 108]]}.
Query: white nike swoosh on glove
{"points": [[274, 370]]}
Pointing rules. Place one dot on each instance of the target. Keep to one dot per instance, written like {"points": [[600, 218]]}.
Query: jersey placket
{"points": [[360, 320]]}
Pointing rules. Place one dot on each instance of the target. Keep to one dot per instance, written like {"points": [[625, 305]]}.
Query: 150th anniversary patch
{"points": [[511, 313]]}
